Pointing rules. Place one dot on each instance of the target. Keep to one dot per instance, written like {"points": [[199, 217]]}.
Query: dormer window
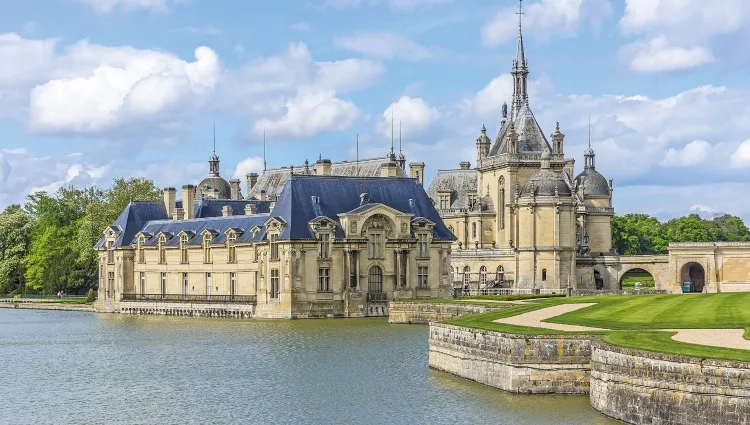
{"points": [[141, 249], [274, 246], [110, 252], [445, 201], [324, 245], [184, 248], [207, 248], [162, 252], [231, 248]]}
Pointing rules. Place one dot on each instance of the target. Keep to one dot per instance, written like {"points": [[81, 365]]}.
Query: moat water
{"points": [[76, 368]]}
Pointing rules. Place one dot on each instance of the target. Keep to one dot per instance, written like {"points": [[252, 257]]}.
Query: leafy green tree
{"points": [[634, 234], [729, 228], [15, 235], [690, 228]]}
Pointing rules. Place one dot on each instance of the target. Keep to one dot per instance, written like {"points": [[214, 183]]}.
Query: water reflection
{"points": [[67, 367]]}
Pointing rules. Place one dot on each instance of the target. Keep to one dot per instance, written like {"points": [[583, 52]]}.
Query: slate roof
{"points": [[546, 181], [531, 138], [339, 195], [132, 219], [215, 182], [198, 225], [205, 208], [273, 181], [458, 181]]}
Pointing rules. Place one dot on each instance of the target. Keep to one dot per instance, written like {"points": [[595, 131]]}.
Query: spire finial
{"points": [[357, 153], [393, 155], [399, 136], [589, 131], [214, 137], [264, 149]]}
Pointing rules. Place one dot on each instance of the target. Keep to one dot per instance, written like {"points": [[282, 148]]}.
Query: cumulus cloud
{"points": [[659, 55], [693, 153], [22, 59], [411, 115], [383, 45], [397, 5], [741, 156], [107, 6], [545, 18]]}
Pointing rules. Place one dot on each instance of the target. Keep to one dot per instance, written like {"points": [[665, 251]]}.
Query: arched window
{"points": [[375, 279], [183, 248], [483, 275], [501, 201], [467, 275], [500, 274], [544, 274], [474, 230]]}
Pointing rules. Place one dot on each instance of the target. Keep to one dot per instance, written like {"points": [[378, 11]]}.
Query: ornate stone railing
{"points": [[606, 210], [244, 299], [493, 161], [707, 244]]}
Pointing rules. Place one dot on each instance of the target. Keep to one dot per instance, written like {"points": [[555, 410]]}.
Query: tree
{"points": [[15, 235], [634, 234], [729, 228]]}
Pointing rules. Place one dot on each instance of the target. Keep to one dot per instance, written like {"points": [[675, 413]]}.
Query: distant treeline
{"points": [[46, 244]]}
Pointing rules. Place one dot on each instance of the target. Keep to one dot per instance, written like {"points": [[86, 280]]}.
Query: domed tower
{"points": [[546, 217], [214, 186], [595, 221]]}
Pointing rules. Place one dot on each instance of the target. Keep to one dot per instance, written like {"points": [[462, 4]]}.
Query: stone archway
{"points": [[695, 274], [637, 275]]}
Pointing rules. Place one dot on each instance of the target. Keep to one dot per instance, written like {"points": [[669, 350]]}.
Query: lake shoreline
{"points": [[49, 306]]}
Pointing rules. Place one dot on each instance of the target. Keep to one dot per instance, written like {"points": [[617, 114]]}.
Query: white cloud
{"points": [[107, 6], [23, 60], [412, 115], [741, 156], [702, 208], [693, 153], [348, 74], [545, 18], [658, 55], [383, 45], [397, 5], [126, 85], [253, 164], [311, 112]]}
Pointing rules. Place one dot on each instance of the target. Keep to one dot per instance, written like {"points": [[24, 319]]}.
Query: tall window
{"points": [[162, 252], [472, 201], [185, 282], [274, 283], [483, 275], [274, 247], [255, 252], [324, 245], [544, 274], [501, 201], [163, 283], [375, 279], [445, 202], [467, 275], [110, 252], [143, 283], [231, 248], [208, 284], [232, 283], [422, 277], [474, 230], [375, 245], [184, 248], [110, 282], [207, 248], [500, 274], [423, 245], [141, 250], [324, 279]]}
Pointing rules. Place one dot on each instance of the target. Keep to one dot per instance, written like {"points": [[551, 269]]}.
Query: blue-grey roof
{"points": [[338, 195], [198, 225], [205, 208], [132, 219]]}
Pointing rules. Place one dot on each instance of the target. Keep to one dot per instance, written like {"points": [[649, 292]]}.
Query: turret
{"points": [[483, 145], [557, 140]]}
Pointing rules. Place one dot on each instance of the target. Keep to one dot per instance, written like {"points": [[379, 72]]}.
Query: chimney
{"points": [[226, 211], [465, 165], [179, 214], [188, 200], [250, 209], [170, 200], [252, 179], [234, 187], [262, 195], [389, 169], [416, 169], [323, 167]]}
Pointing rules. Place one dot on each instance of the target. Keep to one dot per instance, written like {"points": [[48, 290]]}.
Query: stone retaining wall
{"points": [[237, 311], [49, 306], [644, 388], [423, 313], [517, 363]]}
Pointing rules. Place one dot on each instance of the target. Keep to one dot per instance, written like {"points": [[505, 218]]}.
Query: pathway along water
{"points": [[70, 367]]}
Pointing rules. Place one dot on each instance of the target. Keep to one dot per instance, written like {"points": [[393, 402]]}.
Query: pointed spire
{"points": [[520, 70], [214, 137], [589, 131], [357, 153], [393, 154], [264, 149], [589, 156], [520, 55], [213, 161], [399, 137]]}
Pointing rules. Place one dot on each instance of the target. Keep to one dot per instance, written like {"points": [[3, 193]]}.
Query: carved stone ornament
{"points": [[377, 222], [404, 228], [353, 226]]}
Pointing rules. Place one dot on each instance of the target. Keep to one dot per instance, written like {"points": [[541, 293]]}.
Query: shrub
{"points": [[91, 296]]}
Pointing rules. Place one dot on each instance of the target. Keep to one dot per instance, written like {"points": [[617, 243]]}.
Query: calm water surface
{"points": [[71, 367]]}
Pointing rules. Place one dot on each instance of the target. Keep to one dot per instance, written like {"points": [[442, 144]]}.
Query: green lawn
{"points": [[634, 317], [633, 276]]}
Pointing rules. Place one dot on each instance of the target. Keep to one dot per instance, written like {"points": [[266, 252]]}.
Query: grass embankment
{"points": [[483, 299], [633, 319]]}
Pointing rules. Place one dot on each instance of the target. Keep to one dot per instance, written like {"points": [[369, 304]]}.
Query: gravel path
{"points": [[727, 338]]}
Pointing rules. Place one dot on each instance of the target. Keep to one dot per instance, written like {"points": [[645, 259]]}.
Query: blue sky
{"points": [[96, 89]]}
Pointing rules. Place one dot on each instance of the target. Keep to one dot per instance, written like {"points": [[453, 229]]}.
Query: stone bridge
{"points": [[610, 269]]}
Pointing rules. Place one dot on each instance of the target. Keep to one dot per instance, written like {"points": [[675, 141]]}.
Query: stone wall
{"points": [[422, 313], [646, 388], [517, 363], [238, 311]]}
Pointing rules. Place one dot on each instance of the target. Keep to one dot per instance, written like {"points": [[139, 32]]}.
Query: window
{"points": [[162, 252], [375, 279], [502, 208], [110, 252], [416, 173], [467, 275], [274, 247], [483, 275], [207, 248], [183, 248], [274, 283], [324, 246], [500, 274], [324, 279], [423, 245], [232, 250], [544, 274], [232, 283], [422, 277], [445, 202], [163, 283], [185, 284], [208, 284], [110, 282], [255, 253], [141, 250], [472, 202], [474, 230], [143, 283], [375, 245]]}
